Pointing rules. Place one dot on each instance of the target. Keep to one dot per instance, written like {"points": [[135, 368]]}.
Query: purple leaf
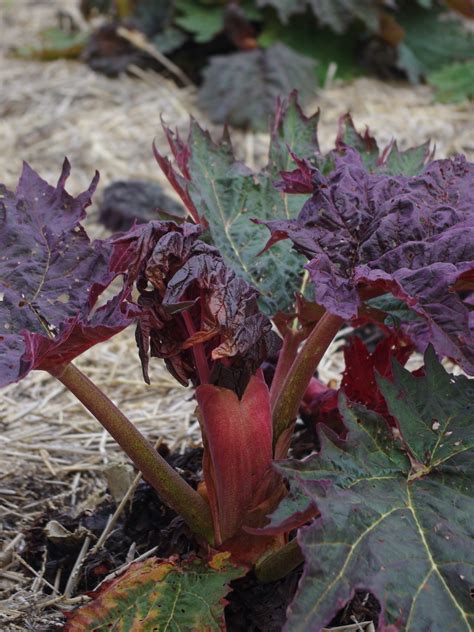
{"points": [[370, 233], [51, 276]]}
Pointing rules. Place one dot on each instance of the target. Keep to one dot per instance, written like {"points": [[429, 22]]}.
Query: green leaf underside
{"points": [[397, 311], [154, 596], [231, 194], [403, 534]]}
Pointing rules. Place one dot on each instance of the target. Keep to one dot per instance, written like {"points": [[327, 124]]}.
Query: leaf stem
{"points": [[286, 358], [302, 370], [172, 489], [198, 352], [279, 563]]}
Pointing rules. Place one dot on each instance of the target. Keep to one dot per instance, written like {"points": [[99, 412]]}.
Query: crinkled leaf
{"points": [[369, 233], [454, 82], [208, 177], [403, 534], [51, 276], [198, 314], [432, 40], [161, 595], [242, 88]]}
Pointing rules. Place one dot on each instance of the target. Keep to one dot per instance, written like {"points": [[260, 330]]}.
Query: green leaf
{"points": [[228, 194], [284, 8], [339, 14], [303, 34], [432, 40], [391, 160], [241, 88], [409, 162], [55, 44], [454, 83], [435, 411], [203, 22], [160, 595], [397, 310], [169, 40], [399, 529]]}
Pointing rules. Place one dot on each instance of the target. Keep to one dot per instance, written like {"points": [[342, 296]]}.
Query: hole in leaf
{"points": [[362, 607]]}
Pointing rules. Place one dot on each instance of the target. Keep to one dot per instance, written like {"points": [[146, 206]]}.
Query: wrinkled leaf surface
{"points": [[51, 277]]}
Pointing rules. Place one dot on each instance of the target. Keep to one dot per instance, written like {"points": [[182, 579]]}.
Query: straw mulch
{"points": [[53, 452]]}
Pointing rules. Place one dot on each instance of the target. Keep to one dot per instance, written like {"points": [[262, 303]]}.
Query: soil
{"points": [[147, 524], [53, 453]]}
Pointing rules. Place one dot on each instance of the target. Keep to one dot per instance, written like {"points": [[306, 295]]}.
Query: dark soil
{"points": [[253, 606]]}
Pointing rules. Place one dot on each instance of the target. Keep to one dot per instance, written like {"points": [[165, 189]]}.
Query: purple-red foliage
{"points": [[198, 314], [51, 277], [371, 233], [359, 383]]}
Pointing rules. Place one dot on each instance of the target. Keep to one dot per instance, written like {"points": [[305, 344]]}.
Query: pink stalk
{"points": [[238, 451], [286, 358], [172, 489], [302, 370]]}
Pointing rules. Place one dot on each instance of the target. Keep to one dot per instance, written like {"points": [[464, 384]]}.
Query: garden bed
{"points": [[54, 454]]}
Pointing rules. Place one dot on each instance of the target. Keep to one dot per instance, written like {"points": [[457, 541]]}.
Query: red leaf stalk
{"points": [[286, 358], [302, 370]]}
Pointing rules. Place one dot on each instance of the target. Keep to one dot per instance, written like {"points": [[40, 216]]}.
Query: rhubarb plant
{"points": [[268, 267]]}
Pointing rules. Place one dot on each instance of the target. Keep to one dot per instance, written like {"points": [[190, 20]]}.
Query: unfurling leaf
{"points": [[197, 313], [241, 88], [371, 233], [51, 277], [161, 595], [398, 527]]}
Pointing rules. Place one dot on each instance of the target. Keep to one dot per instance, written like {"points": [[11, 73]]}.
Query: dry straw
{"points": [[53, 452]]}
